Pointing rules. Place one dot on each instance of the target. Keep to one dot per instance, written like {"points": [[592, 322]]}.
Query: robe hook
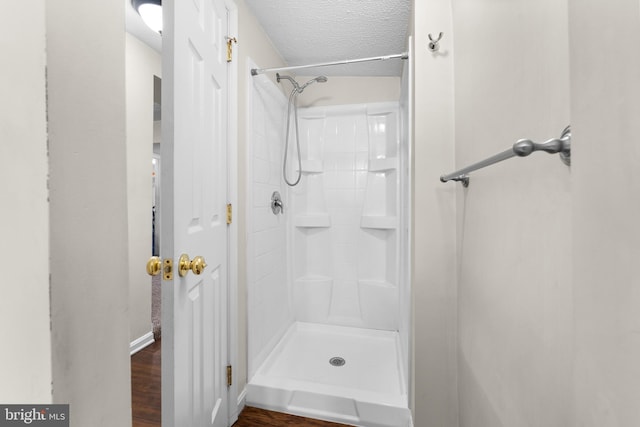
{"points": [[434, 45]]}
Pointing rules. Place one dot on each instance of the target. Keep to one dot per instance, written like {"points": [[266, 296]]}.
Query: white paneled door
{"points": [[193, 213]]}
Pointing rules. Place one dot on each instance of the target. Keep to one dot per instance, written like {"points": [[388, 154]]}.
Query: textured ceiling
{"points": [[312, 31]]}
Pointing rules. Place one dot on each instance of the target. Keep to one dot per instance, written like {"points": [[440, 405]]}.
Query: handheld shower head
{"points": [[319, 79], [297, 90], [296, 86]]}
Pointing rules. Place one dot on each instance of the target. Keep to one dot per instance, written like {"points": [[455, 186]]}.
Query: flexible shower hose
{"points": [[292, 101]]}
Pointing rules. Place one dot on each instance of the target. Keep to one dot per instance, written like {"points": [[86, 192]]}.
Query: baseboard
{"points": [[240, 404], [140, 343], [242, 400]]}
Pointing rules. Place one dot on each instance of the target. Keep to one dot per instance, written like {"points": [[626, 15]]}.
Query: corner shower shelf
{"points": [[381, 165], [312, 221], [382, 284], [379, 222], [312, 166], [313, 278]]}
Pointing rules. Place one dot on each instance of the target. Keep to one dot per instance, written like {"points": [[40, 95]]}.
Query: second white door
{"points": [[193, 216]]}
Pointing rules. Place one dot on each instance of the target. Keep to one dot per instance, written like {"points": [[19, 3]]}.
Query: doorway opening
{"points": [[156, 281], [146, 364]]}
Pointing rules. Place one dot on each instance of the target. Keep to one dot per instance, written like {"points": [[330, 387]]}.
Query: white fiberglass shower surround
{"points": [[327, 279]]}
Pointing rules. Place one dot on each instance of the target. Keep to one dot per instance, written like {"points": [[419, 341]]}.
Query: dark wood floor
{"points": [[145, 386], [145, 399], [253, 417]]}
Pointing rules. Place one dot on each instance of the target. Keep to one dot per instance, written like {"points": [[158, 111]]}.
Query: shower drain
{"points": [[337, 361]]}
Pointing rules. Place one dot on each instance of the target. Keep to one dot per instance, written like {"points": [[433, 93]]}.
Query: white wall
{"points": [[514, 220], [347, 90], [548, 293], [252, 44], [405, 316], [269, 303], [89, 260], [142, 63], [25, 359], [548, 298], [605, 112], [433, 285]]}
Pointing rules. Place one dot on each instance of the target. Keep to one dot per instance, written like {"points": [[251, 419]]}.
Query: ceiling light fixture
{"points": [[151, 13]]}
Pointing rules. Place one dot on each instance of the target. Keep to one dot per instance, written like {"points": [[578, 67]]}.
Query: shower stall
{"points": [[328, 283]]}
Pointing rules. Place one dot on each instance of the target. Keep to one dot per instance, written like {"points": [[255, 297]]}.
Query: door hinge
{"points": [[229, 375], [229, 213], [230, 41]]}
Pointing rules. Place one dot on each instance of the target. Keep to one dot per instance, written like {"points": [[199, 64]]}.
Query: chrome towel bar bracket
{"points": [[522, 148]]}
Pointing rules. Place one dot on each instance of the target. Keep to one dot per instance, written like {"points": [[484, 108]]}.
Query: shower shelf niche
{"points": [[384, 164], [312, 166], [312, 221], [379, 207], [379, 222]]}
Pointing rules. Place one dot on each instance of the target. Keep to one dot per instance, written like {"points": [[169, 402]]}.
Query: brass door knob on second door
{"points": [[196, 265]]}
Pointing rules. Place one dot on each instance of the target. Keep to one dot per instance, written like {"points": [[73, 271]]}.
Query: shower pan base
{"points": [[334, 373]]}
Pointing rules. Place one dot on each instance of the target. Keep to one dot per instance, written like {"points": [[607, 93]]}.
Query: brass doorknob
{"points": [[197, 265], [154, 266]]}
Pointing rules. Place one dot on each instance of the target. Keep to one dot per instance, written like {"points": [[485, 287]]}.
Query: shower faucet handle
{"points": [[277, 207]]}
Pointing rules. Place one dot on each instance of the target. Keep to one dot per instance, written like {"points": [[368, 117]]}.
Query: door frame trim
{"points": [[232, 196]]}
